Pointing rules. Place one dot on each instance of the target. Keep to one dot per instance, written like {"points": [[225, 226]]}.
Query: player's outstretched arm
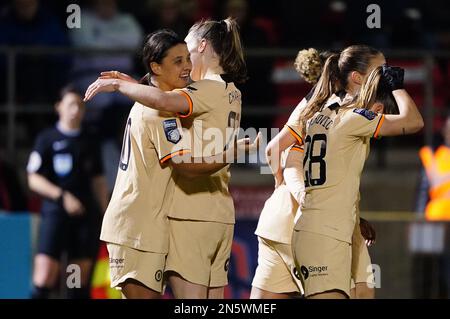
{"points": [[149, 96]]}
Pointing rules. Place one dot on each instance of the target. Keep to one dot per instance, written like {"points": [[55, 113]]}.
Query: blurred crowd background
{"points": [[39, 54]]}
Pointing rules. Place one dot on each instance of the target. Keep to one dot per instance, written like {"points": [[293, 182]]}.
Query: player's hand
{"points": [[244, 145], [117, 75], [99, 86], [72, 205], [393, 76], [367, 231]]}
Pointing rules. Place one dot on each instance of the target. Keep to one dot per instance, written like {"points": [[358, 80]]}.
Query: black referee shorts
{"points": [[78, 236]]}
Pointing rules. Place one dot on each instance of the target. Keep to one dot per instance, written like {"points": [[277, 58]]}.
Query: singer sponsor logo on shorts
{"points": [[313, 271], [116, 262]]}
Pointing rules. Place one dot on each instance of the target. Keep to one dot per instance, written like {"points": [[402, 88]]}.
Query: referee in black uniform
{"points": [[65, 169]]}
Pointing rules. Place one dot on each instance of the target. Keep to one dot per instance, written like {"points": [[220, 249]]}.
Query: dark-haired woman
{"points": [[135, 224]]}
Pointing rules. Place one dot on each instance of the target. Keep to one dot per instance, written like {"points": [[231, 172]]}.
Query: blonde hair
{"points": [[226, 42], [334, 77], [309, 65], [375, 89]]}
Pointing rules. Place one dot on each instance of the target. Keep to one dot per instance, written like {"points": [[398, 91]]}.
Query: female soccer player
{"points": [[336, 147], [309, 64], [276, 275], [65, 169], [201, 215], [356, 62], [135, 224]]}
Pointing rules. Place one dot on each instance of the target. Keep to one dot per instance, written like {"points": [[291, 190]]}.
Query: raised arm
{"points": [[409, 120]]}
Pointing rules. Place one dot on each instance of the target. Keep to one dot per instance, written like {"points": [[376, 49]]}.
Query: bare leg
{"points": [[216, 293], [363, 291], [46, 271], [183, 289], [84, 291], [333, 294], [86, 267], [133, 289]]}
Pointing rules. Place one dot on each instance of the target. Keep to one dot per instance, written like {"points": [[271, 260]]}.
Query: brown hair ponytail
{"points": [[375, 89], [328, 84], [226, 42], [335, 76]]}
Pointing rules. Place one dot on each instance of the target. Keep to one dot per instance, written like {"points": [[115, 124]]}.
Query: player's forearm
{"points": [[44, 187], [192, 170], [293, 175], [275, 148], [273, 158], [409, 110], [101, 191], [149, 96], [153, 97], [410, 118]]}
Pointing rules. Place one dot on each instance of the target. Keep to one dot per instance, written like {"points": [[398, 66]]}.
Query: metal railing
{"points": [[11, 109]]}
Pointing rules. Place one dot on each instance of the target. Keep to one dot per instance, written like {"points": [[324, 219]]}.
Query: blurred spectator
{"points": [[12, 195], [65, 169], [334, 26], [436, 20], [357, 18], [166, 14], [410, 21], [255, 33], [105, 27], [29, 23], [433, 201]]}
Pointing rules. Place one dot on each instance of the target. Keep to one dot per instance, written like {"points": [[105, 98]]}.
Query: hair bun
{"points": [[308, 64]]}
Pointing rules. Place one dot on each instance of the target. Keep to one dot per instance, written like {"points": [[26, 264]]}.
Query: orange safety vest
{"points": [[437, 168]]}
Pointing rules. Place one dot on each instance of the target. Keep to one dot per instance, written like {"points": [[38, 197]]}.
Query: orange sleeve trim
{"points": [[188, 98], [169, 156], [377, 130], [295, 135], [298, 149]]}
